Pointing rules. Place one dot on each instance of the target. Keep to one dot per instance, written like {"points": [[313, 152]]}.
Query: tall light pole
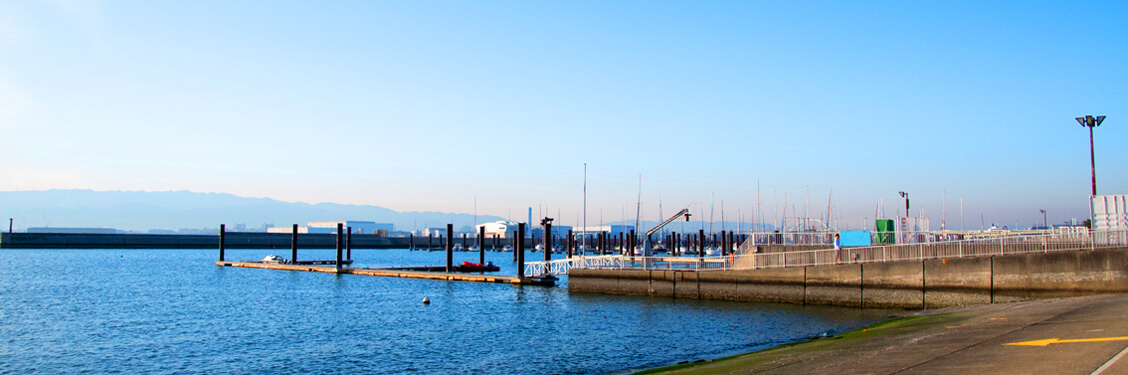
{"points": [[1091, 122], [1045, 223]]}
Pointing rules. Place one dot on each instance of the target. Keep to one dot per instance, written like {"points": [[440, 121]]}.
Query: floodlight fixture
{"points": [[1090, 121]]}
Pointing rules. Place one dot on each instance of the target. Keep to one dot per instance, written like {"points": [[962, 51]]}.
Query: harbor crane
{"points": [[647, 246]]}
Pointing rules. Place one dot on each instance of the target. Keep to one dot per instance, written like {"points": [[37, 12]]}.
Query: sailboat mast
{"points": [[783, 220], [830, 209], [638, 209], [759, 209]]}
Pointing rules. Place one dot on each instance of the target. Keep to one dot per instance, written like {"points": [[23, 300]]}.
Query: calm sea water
{"points": [[174, 311]]}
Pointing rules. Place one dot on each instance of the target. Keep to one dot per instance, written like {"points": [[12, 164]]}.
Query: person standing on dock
{"points": [[837, 248]]}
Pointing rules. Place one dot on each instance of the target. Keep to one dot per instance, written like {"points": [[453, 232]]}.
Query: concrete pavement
{"points": [[1091, 333]]}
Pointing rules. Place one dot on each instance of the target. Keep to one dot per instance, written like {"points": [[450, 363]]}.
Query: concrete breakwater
{"points": [[235, 240], [906, 284]]}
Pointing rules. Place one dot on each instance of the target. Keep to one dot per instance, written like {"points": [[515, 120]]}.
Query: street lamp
{"points": [[906, 196], [1091, 122], [1045, 223]]}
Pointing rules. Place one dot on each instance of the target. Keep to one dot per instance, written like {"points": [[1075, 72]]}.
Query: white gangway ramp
{"points": [[562, 266], [627, 262]]}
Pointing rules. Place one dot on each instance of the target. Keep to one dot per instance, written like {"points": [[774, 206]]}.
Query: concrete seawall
{"points": [[907, 284]]}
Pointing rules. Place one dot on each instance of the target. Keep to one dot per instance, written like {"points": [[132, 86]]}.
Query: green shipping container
{"points": [[885, 231]]}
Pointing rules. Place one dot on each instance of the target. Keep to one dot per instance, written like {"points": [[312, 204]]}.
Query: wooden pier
{"points": [[447, 276]]}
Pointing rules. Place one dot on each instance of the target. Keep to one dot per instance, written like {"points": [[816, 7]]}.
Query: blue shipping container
{"points": [[853, 238]]}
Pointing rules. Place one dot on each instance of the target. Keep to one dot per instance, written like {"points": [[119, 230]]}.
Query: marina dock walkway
{"points": [[470, 277]]}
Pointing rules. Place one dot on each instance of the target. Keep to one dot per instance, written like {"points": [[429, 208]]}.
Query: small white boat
{"points": [[274, 259]]}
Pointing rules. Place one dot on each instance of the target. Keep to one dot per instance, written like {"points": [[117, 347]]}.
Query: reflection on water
{"points": [[175, 311]]}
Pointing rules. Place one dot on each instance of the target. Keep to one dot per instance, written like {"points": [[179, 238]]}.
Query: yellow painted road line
{"points": [[1059, 341]]}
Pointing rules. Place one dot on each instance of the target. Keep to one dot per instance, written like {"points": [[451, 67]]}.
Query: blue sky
{"points": [[420, 105]]}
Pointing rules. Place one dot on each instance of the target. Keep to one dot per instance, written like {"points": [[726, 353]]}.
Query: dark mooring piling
{"points": [[571, 244], [222, 238], [701, 243], [482, 245], [294, 245], [519, 250], [340, 228], [450, 248], [547, 247]]}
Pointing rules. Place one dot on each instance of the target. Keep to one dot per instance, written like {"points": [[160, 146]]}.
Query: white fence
{"points": [[994, 245], [892, 237]]}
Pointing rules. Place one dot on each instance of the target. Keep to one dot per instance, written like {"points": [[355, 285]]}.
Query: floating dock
{"points": [[550, 281]]}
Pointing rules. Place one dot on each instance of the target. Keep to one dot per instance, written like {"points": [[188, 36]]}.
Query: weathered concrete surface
{"points": [[662, 283], [718, 285], [784, 285], [687, 285], [962, 340], [633, 282], [957, 282], [839, 285], [1062, 274], [894, 284], [593, 281]]}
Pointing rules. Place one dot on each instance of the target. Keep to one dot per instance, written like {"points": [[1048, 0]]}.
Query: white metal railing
{"points": [[746, 258], [621, 262], [891, 237], [995, 245]]}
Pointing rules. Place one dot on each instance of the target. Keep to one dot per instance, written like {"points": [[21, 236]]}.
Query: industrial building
{"points": [[330, 227], [614, 230], [503, 229]]}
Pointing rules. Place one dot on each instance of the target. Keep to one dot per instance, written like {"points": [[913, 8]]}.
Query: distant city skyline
{"points": [[493, 107]]}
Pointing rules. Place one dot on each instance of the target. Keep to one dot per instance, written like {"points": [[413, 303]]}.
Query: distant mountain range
{"points": [[140, 211]]}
